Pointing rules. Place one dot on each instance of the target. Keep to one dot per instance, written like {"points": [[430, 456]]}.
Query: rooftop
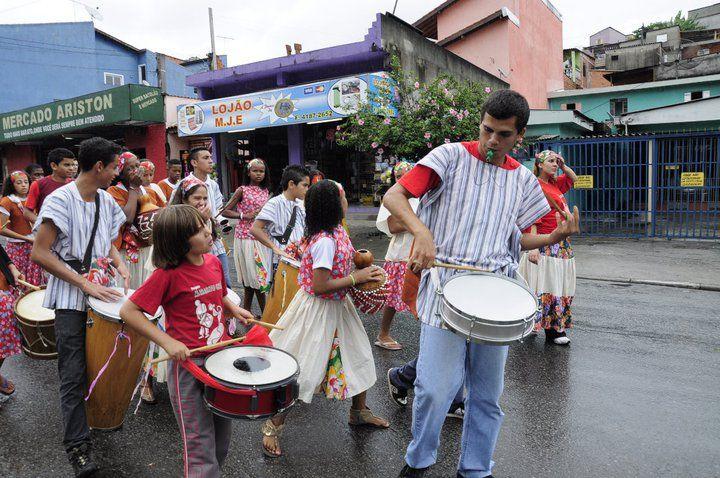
{"points": [[632, 87]]}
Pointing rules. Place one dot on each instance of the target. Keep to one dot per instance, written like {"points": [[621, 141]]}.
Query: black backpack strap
{"points": [[283, 240]]}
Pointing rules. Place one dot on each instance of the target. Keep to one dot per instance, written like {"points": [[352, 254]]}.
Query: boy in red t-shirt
{"points": [[189, 284], [63, 164]]}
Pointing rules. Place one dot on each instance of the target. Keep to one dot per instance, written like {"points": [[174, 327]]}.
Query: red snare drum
{"points": [[250, 382]]}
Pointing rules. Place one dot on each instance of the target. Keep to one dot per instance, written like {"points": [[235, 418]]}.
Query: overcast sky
{"points": [[252, 30]]}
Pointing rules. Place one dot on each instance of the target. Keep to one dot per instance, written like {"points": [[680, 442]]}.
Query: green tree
{"points": [[443, 111], [679, 20]]}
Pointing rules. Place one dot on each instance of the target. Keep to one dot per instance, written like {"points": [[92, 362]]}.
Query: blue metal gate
{"points": [[646, 186]]}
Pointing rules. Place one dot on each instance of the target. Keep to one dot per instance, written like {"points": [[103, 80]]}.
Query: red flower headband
{"points": [[147, 165], [16, 174], [190, 183], [122, 159]]}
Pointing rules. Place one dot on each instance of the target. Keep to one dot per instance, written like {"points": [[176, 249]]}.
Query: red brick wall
{"points": [[17, 157], [152, 138]]}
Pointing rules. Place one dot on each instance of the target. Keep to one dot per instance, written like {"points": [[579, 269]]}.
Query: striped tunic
{"points": [[476, 216], [73, 219]]}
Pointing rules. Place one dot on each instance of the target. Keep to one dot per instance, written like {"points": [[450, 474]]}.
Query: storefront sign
{"points": [[325, 100], [692, 180], [124, 103], [584, 182]]}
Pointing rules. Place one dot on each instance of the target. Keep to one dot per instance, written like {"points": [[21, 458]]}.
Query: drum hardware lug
{"points": [[254, 402], [295, 391]]}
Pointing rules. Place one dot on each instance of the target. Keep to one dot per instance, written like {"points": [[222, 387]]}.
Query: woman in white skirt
{"points": [[252, 259], [322, 329], [550, 271]]}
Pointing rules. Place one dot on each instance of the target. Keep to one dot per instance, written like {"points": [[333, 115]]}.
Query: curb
{"points": [[679, 285]]}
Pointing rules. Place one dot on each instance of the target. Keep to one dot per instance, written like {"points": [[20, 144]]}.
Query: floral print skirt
{"points": [[553, 280], [19, 254], [395, 278], [10, 341]]}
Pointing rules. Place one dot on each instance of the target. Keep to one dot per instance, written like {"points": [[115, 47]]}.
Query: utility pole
{"points": [[212, 40], [395, 7]]}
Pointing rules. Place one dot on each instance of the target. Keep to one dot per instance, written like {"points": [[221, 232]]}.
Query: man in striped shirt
{"points": [[475, 204], [63, 232]]}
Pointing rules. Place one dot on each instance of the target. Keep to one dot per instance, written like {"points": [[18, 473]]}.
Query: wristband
{"points": [[241, 216], [352, 279]]}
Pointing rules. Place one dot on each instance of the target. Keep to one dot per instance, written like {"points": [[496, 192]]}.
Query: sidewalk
{"points": [[692, 262]]}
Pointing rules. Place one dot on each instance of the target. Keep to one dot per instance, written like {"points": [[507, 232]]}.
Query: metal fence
{"points": [[646, 186]]}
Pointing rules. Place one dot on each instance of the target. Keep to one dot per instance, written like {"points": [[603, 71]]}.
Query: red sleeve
{"points": [[33, 196], [564, 183], [420, 180], [150, 295]]}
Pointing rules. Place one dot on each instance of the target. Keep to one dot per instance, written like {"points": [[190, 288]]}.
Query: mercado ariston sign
{"points": [[136, 103], [312, 102]]}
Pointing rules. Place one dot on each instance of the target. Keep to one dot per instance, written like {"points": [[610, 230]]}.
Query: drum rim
{"points": [[485, 341], [483, 319], [259, 388], [290, 262], [20, 316]]}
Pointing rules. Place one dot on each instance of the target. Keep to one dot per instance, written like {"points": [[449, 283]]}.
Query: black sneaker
{"points": [[460, 476], [81, 461], [412, 472], [457, 410], [397, 394]]}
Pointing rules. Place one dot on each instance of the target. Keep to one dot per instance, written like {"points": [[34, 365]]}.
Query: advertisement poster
{"points": [[314, 102]]}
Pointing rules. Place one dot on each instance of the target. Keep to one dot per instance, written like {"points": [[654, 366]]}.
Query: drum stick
{"points": [[459, 268], [265, 324], [201, 349], [28, 285]]}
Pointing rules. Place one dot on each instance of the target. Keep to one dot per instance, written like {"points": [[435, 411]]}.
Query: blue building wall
{"points": [[46, 62], [597, 106]]}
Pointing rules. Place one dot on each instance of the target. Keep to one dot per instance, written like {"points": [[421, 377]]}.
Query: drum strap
{"points": [[205, 378], [283, 240], [84, 266]]}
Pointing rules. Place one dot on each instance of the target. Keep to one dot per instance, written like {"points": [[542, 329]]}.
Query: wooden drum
{"points": [[37, 326], [107, 343], [285, 286]]}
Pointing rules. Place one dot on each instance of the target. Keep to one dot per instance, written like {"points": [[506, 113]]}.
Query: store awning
{"points": [[124, 105]]}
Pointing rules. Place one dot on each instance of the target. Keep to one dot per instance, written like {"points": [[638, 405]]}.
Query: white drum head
{"points": [[234, 298], [490, 297], [30, 307], [290, 262], [111, 310], [251, 366]]}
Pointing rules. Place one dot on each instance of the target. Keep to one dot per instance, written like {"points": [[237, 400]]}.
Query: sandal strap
{"points": [[269, 429]]}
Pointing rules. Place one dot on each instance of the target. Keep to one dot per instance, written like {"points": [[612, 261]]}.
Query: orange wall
{"points": [[531, 55]]}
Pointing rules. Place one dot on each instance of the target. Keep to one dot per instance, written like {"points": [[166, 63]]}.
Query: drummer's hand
{"points": [[423, 255], [241, 314], [205, 212], [177, 350], [281, 252], [125, 274], [368, 274], [534, 256], [566, 226], [106, 294]]}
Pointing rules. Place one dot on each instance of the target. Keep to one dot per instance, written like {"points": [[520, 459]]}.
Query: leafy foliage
{"points": [[679, 20]]}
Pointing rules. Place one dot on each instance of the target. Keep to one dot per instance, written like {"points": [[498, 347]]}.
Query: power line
{"points": [[63, 45], [74, 67], [22, 47]]}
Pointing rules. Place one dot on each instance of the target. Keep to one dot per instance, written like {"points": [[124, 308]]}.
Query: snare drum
{"points": [[285, 286], [37, 326], [107, 343], [250, 382], [488, 308]]}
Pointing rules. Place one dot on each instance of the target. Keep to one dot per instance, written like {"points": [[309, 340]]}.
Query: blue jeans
{"points": [[226, 269], [405, 375], [445, 360]]}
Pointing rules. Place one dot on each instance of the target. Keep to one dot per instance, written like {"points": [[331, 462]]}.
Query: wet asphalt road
{"points": [[635, 395]]}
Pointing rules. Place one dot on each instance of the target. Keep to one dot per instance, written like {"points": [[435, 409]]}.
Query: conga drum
{"points": [[114, 355], [37, 326], [285, 286]]}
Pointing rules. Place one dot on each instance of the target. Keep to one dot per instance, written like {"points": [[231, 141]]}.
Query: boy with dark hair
{"points": [[62, 162], [489, 211], [282, 220], [174, 172], [66, 231], [34, 172]]}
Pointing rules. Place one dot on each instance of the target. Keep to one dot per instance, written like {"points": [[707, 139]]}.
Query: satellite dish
{"points": [[145, 82], [93, 12]]}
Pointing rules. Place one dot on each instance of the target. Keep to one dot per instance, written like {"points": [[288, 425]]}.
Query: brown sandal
{"points": [[269, 429], [366, 418]]}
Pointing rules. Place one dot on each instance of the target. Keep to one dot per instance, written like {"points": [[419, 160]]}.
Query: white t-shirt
{"points": [[323, 253], [277, 213], [400, 244]]}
